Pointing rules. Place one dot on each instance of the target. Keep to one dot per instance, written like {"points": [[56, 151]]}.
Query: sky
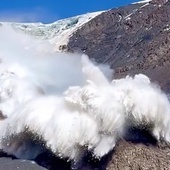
{"points": [[47, 11]]}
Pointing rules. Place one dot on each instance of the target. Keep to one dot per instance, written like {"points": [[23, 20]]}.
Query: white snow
{"points": [[27, 73], [139, 100]]}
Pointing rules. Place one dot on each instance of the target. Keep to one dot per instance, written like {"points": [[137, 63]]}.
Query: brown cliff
{"points": [[131, 39]]}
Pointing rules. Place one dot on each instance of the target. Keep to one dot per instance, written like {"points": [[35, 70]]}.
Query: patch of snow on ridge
{"points": [[73, 25], [57, 33], [140, 2]]}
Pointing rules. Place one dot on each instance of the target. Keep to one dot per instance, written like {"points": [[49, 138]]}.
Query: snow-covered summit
{"points": [[56, 33]]}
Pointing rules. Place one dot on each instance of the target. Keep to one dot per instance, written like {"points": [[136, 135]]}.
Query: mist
{"points": [[34, 59], [30, 72], [50, 93], [37, 60]]}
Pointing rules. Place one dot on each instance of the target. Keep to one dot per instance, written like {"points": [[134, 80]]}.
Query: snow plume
{"points": [[29, 73], [29, 67], [146, 105], [34, 59], [69, 102], [134, 99], [66, 130], [100, 102]]}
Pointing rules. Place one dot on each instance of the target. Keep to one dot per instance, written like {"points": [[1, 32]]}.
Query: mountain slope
{"points": [[132, 39]]}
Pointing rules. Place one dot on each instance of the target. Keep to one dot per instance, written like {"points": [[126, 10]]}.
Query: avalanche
{"points": [[69, 104], [64, 129], [28, 78], [99, 101], [141, 103]]}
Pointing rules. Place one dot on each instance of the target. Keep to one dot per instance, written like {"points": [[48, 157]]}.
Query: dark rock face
{"points": [[131, 39]]}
